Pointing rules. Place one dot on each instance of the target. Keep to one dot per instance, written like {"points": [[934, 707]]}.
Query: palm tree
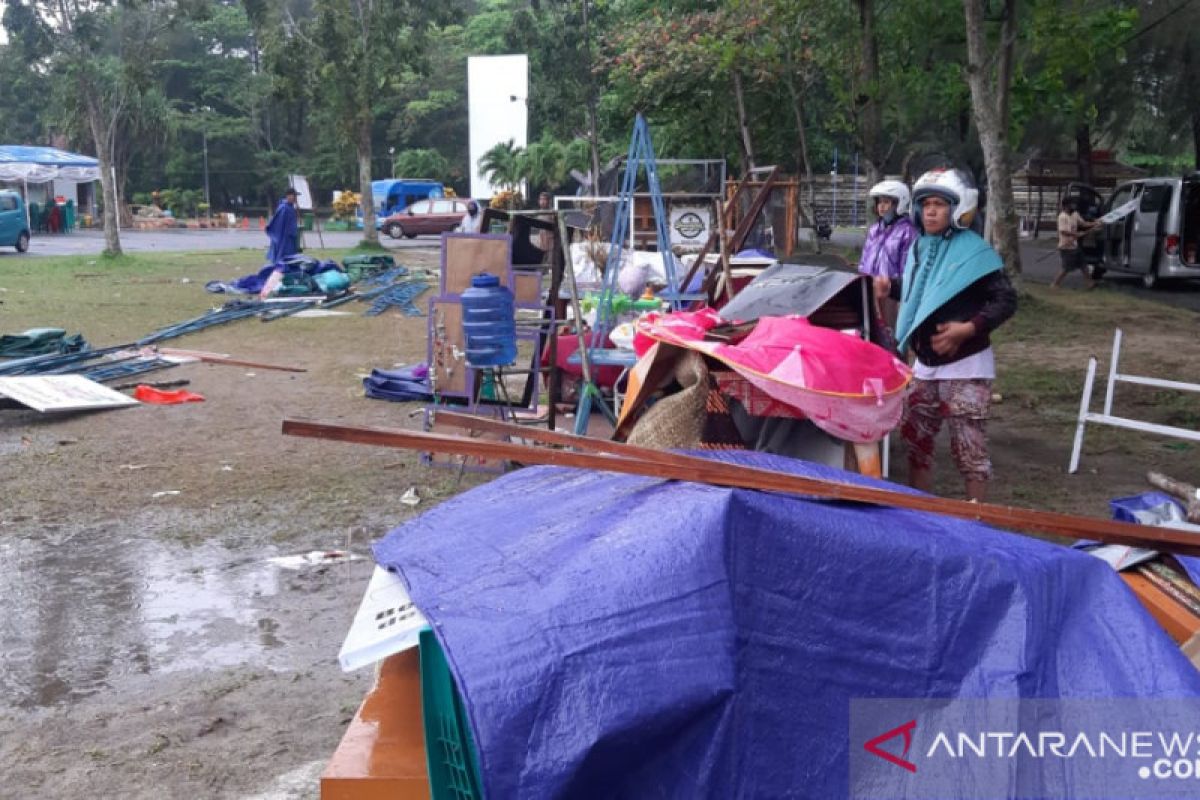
{"points": [[422, 164], [543, 165], [500, 165]]}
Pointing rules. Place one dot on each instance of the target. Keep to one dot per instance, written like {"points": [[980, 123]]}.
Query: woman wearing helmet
{"points": [[889, 239], [953, 294], [888, 242]]}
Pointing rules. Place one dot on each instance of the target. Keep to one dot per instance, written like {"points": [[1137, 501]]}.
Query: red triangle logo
{"points": [[904, 730]]}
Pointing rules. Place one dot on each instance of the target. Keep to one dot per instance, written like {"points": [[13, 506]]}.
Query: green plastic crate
{"points": [[450, 751]]}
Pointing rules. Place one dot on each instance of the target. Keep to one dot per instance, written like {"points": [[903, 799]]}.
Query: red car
{"points": [[435, 215]]}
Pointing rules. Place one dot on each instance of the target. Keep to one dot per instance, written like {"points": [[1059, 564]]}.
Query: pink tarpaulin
{"points": [[846, 386]]}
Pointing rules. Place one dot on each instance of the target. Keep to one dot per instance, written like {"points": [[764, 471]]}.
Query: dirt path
{"points": [[149, 650]]}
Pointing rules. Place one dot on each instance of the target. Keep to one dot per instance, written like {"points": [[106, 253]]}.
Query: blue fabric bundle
{"points": [[297, 269], [410, 383], [621, 636]]}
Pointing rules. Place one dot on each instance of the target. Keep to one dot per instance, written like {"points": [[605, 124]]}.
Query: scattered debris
{"points": [[314, 558], [166, 397], [215, 358], [1187, 493], [61, 393], [153, 384], [132, 467], [166, 493], [411, 498]]}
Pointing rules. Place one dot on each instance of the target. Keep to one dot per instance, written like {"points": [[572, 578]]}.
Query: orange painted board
{"points": [[1180, 623], [382, 754]]}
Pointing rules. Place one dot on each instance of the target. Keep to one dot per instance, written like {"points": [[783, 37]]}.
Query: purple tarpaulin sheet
{"points": [[617, 636]]}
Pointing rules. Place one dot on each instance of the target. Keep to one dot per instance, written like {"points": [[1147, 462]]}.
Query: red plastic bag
{"points": [[148, 394]]}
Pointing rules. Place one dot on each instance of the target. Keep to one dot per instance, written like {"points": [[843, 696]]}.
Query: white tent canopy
{"points": [[45, 164]]}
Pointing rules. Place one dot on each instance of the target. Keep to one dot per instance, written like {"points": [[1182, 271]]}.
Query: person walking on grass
{"points": [[953, 293], [284, 230], [1071, 227]]}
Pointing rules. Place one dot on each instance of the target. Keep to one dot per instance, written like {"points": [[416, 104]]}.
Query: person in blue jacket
{"points": [[283, 230], [953, 294]]}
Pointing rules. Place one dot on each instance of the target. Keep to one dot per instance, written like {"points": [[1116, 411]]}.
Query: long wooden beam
{"points": [[1016, 518], [737, 476]]}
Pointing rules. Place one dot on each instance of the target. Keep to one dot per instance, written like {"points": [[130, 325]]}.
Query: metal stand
{"points": [[1107, 418], [641, 154]]}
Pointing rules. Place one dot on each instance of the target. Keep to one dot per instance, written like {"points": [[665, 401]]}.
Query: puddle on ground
{"points": [[82, 612]]}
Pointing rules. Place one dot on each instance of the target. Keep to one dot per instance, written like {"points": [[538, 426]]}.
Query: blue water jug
{"points": [[489, 322]]}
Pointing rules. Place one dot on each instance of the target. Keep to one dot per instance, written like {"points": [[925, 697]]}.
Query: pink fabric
{"points": [[846, 386]]}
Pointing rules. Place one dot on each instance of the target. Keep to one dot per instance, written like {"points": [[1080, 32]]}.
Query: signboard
{"points": [[62, 393], [1121, 211], [304, 200], [497, 112], [690, 224]]}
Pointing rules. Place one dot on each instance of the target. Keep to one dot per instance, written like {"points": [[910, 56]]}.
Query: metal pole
{"points": [[854, 191], [28, 222], [207, 198], [833, 221], [1084, 404]]}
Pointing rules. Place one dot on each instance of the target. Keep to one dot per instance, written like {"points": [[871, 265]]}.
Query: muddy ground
{"points": [[149, 649]]}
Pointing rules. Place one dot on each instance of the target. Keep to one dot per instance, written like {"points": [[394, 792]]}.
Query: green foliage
{"points": [[273, 87], [182, 203], [422, 163]]}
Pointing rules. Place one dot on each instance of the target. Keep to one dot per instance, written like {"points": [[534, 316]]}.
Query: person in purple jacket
{"points": [[888, 242]]}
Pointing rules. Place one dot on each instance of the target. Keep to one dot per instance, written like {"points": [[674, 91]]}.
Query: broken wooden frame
{"points": [[629, 460]]}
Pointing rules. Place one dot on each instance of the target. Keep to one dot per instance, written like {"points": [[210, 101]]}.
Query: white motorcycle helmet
{"points": [[952, 186], [895, 190]]}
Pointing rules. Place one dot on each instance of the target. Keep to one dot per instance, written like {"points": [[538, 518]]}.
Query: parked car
{"points": [[434, 216], [1158, 239], [14, 226]]}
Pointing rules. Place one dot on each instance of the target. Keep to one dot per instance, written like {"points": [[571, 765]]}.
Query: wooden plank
{"points": [[213, 358], [470, 463], [453, 374], [467, 254], [1179, 623], [527, 287], [629, 460]]}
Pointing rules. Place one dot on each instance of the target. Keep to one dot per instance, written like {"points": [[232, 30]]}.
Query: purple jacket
{"points": [[886, 248]]}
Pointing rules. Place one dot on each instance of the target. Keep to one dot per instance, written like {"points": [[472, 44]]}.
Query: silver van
{"points": [[1158, 240]]}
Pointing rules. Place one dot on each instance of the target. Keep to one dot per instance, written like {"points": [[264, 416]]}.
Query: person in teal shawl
{"points": [[283, 230], [953, 294]]}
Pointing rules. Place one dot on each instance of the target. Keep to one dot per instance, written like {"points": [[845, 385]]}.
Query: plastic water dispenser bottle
{"points": [[489, 322]]}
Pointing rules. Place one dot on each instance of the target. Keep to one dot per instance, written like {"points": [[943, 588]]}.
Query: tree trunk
{"points": [[1083, 153], [108, 188], [593, 136], [808, 205], [1196, 135], [872, 115], [743, 125], [364, 181], [989, 105]]}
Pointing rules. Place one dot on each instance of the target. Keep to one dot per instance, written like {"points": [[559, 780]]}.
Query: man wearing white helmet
{"points": [[953, 294]]}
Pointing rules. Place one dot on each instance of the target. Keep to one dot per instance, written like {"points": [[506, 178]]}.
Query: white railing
{"points": [[1107, 418]]}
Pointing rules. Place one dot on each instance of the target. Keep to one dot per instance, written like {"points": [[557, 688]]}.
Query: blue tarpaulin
{"points": [[42, 164], [618, 636]]}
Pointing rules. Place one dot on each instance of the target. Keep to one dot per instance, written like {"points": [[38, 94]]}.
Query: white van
{"points": [[1159, 239]]}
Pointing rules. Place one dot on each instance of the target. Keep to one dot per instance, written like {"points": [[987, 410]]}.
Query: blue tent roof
{"points": [[44, 156]]}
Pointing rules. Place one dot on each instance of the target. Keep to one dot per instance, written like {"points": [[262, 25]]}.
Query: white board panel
{"points": [[497, 104], [62, 393]]}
